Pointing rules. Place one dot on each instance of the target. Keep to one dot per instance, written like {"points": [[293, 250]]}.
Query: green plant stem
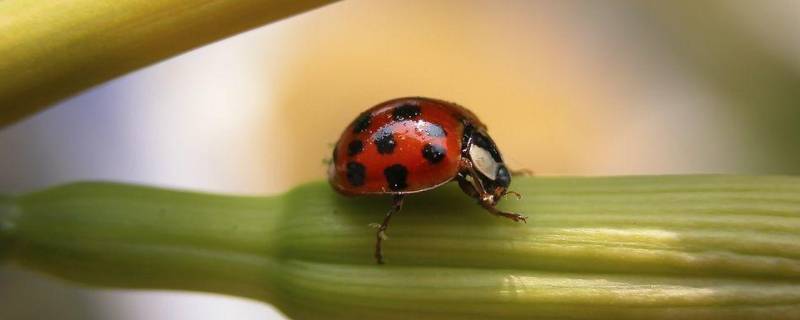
{"points": [[711, 247], [51, 49]]}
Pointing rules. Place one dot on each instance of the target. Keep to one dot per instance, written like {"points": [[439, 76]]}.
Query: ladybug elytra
{"points": [[409, 145]]}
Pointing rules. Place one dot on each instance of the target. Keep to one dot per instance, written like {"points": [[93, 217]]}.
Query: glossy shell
{"points": [[400, 146]]}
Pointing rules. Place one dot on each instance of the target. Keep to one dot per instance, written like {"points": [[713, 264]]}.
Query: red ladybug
{"points": [[410, 145]]}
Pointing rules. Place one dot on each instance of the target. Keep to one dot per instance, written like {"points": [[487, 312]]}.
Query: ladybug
{"points": [[410, 145]]}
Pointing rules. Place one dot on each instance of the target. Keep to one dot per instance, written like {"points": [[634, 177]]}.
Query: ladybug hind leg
{"points": [[397, 204]]}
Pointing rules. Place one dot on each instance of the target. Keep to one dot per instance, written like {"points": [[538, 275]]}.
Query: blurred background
{"points": [[566, 88]]}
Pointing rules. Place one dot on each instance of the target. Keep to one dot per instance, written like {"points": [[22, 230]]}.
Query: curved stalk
{"points": [[624, 247], [51, 49]]}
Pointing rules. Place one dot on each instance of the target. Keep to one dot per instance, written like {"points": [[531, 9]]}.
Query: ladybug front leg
{"points": [[485, 199], [397, 204], [467, 186], [493, 210], [469, 177]]}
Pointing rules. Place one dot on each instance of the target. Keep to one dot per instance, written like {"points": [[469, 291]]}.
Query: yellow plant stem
{"points": [[661, 247], [50, 49]]}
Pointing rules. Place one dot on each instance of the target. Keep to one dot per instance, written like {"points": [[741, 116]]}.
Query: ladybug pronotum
{"points": [[410, 145]]}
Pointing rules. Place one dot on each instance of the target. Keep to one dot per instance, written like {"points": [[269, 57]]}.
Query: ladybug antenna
{"points": [[516, 194]]}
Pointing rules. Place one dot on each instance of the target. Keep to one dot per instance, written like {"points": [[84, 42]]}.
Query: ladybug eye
{"points": [[503, 177]]}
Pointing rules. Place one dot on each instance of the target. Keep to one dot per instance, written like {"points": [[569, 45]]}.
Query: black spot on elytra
{"points": [[356, 173], [434, 130], [335, 149], [406, 111], [433, 153], [384, 141], [355, 147], [396, 177], [361, 123]]}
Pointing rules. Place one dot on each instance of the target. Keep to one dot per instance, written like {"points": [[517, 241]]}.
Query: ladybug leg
{"points": [[397, 204], [467, 186], [513, 216], [469, 177], [514, 193], [485, 199], [522, 172]]}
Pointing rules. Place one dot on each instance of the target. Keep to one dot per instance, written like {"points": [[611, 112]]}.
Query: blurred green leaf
{"points": [[51, 49], [759, 87]]}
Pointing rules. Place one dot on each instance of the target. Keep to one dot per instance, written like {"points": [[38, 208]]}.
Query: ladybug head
{"points": [[487, 162]]}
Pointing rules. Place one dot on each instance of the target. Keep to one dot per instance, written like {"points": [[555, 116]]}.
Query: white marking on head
{"points": [[483, 161]]}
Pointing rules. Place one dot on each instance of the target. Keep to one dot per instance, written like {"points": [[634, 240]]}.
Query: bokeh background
{"points": [[566, 87]]}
